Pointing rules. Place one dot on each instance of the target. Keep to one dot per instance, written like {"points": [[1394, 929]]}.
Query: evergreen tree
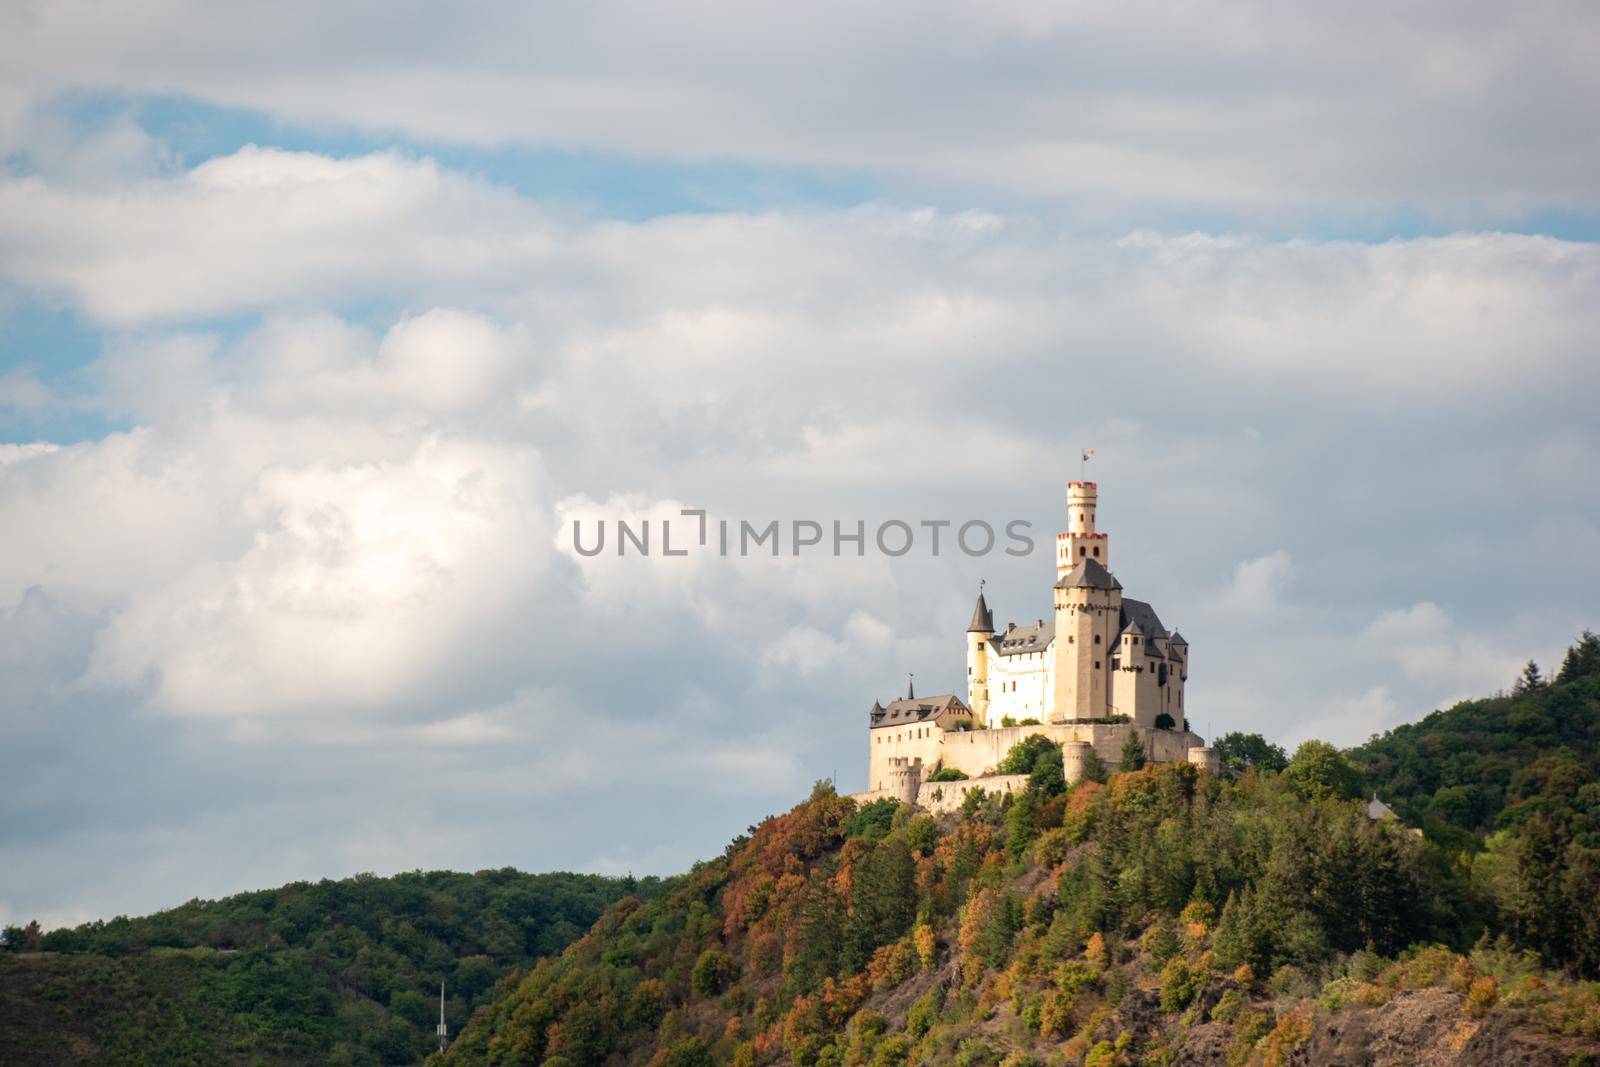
{"points": [[1132, 753], [1529, 682], [1582, 660], [819, 933], [1048, 777], [1020, 828], [883, 901]]}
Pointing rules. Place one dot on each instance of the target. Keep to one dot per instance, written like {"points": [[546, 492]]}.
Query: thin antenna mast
{"points": [[442, 1029]]}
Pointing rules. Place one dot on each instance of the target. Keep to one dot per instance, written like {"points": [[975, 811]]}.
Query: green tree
{"points": [[873, 819], [690, 1052], [922, 834], [713, 972], [1048, 777], [1024, 755], [1241, 751], [1094, 768], [883, 901], [1318, 770], [1132, 753], [1582, 659], [1529, 681], [1021, 829], [819, 933]]}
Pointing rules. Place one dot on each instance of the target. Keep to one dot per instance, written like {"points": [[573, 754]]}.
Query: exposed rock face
{"points": [[1426, 1028]]}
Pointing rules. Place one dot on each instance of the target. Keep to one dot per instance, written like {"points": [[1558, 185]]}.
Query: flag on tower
{"points": [[1088, 454]]}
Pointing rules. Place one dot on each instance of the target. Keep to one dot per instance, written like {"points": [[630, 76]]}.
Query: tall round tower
{"points": [[979, 631]]}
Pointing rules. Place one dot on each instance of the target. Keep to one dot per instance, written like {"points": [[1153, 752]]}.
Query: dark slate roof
{"points": [[1142, 617], [982, 619], [1089, 574], [1017, 640], [1177, 639], [912, 711]]}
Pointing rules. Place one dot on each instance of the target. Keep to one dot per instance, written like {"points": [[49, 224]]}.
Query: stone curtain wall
{"points": [[978, 752], [939, 797]]}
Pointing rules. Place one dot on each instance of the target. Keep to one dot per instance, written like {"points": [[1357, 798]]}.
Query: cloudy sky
{"points": [[320, 324]]}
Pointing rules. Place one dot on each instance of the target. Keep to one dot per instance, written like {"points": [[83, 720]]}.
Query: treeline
{"points": [[343, 971], [1512, 783]]}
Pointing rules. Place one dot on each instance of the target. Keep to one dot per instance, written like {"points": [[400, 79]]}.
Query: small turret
{"points": [[979, 633], [905, 778], [1075, 760], [911, 687]]}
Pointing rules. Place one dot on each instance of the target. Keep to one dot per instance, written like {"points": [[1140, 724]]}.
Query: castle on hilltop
{"points": [[1101, 669]]}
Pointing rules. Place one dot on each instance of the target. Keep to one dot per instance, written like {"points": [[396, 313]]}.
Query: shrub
{"points": [[1095, 950], [948, 774], [1482, 995], [892, 1050], [712, 972], [1159, 941], [922, 834], [690, 1052], [927, 944], [648, 1004], [925, 1012], [873, 819], [1228, 1006], [1292, 1031], [1179, 985]]}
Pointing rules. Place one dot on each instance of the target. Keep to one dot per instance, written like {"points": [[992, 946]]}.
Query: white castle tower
{"points": [[1101, 667]]}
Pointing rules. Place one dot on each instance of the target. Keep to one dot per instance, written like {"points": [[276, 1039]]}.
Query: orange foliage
{"points": [[1095, 950], [840, 999]]}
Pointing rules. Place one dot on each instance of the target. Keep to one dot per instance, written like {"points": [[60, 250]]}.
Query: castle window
{"points": [[1082, 551], [1096, 664], [1097, 639], [1096, 551]]}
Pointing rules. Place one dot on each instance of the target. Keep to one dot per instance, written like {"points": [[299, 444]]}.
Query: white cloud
{"points": [[1258, 585], [1261, 109], [349, 533], [364, 588], [1424, 641]]}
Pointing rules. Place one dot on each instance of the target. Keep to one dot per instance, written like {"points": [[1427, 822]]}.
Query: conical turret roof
{"points": [[982, 618]]}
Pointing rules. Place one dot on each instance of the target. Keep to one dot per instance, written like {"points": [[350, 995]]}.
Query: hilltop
{"points": [[1161, 916], [1145, 914], [332, 972]]}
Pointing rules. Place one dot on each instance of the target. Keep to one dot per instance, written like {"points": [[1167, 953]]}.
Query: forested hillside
{"points": [[1158, 917], [334, 972], [1145, 916], [1513, 783]]}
